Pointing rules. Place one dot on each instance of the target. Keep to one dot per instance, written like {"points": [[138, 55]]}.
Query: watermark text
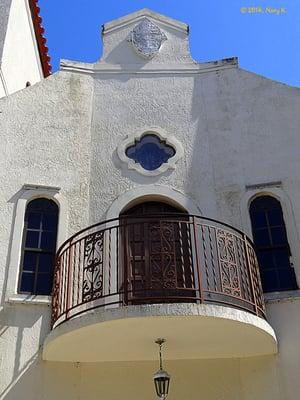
{"points": [[263, 10]]}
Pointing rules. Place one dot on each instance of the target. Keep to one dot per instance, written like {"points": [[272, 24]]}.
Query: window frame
{"points": [[275, 190], [129, 164], [34, 250], [271, 248], [21, 199]]}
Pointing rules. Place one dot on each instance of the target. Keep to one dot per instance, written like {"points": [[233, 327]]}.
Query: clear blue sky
{"points": [[265, 43]]}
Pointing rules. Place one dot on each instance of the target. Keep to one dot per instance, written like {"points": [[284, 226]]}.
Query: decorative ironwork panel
{"points": [[244, 271], [93, 267], [228, 263], [162, 255], [257, 287]]}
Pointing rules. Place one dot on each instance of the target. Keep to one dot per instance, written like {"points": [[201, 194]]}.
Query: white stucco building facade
{"points": [[227, 136]]}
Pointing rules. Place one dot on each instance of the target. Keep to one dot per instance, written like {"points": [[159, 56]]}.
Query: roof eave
{"points": [[41, 40]]}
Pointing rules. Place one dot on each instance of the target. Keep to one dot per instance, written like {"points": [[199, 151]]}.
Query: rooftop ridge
{"points": [[144, 12]]}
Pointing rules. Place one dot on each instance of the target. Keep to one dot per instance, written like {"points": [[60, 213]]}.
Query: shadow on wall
{"points": [[22, 334], [214, 150], [200, 180]]}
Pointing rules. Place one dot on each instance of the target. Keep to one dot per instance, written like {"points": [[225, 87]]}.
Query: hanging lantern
{"points": [[161, 377]]}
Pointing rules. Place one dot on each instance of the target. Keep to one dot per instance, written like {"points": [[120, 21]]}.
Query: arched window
{"points": [[39, 245], [273, 251]]}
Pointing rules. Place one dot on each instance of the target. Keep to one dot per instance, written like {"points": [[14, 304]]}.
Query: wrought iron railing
{"points": [[170, 258]]}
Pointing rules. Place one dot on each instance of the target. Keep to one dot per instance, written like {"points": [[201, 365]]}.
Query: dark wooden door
{"points": [[158, 265]]}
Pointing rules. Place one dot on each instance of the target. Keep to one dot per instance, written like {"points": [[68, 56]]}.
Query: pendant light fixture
{"points": [[161, 377]]}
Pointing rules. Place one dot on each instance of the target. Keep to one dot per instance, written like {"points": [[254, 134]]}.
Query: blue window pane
{"points": [[281, 258], [278, 236], [44, 284], [266, 259], [269, 280], [49, 222], [259, 219], [27, 282], [32, 239], [275, 217], [34, 220], [150, 152], [46, 262], [261, 237], [48, 241], [287, 279], [29, 262]]}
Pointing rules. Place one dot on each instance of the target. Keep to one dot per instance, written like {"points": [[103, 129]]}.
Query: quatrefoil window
{"points": [[150, 152]]}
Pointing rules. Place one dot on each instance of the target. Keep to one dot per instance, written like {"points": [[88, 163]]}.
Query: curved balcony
{"points": [[172, 275]]}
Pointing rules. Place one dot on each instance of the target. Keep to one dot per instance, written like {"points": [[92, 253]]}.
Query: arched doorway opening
{"points": [[157, 254]]}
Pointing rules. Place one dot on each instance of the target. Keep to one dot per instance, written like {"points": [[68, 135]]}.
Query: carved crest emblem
{"points": [[147, 38]]}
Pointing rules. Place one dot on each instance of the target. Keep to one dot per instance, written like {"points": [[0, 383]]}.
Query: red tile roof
{"points": [[41, 40]]}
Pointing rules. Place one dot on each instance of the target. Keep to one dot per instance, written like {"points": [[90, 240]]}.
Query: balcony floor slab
{"points": [[193, 331]]}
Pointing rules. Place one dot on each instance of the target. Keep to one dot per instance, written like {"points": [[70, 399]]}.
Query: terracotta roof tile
{"points": [[41, 40]]}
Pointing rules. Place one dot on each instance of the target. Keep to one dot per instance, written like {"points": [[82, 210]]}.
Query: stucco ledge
{"points": [[193, 331]]}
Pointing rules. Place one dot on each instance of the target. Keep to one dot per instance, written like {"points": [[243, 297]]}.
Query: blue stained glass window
{"points": [[150, 152]]}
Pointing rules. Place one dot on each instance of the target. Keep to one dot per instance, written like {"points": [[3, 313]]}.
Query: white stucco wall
{"points": [[46, 142], [24, 375], [236, 129], [20, 62]]}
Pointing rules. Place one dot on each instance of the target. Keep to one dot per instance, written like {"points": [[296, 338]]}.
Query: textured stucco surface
{"points": [[236, 129]]}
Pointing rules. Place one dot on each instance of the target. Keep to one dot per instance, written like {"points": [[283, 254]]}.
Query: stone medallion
{"points": [[147, 38]]}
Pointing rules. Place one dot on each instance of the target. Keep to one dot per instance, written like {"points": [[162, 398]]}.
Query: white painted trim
{"points": [[29, 299], [186, 69], [164, 136], [28, 193], [135, 17], [288, 216], [152, 192]]}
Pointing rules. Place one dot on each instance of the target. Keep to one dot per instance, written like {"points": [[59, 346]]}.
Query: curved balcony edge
{"points": [[193, 331]]}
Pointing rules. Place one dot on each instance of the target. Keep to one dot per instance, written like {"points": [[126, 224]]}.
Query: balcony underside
{"points": [[193, 331]]}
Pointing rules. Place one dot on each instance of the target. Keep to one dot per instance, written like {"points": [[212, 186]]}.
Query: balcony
{"points": [[121, 283]]}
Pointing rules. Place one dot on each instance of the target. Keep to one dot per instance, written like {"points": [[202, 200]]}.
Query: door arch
{"points": [[157, 255]]}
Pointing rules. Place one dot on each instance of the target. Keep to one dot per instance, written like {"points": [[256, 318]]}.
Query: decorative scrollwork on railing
{"points": [[163, 271], [228, 262], [156, 259], [93, 267]]}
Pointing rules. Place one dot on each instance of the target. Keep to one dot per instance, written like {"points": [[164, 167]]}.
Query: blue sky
{"points": [[266, 39]]}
